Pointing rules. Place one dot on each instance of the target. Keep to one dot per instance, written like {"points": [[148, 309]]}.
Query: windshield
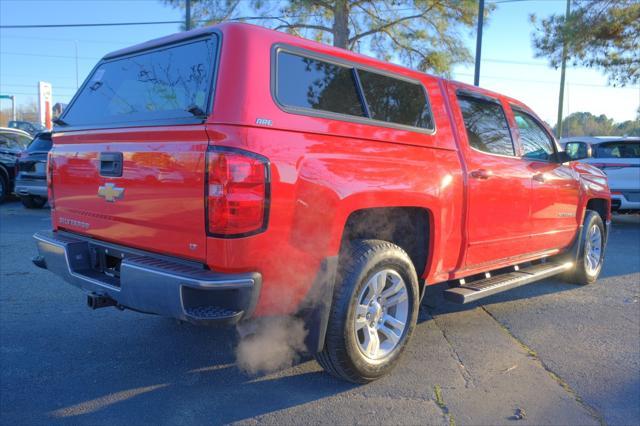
{"points": [[164, 84], [618, 150], [14, 141], [41, 142]]}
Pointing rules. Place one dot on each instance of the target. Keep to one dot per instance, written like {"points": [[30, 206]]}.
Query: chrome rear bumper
{"points": [[150, 283]]}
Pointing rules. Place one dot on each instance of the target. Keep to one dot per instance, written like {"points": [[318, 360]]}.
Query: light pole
{"points": [[476, 73]]}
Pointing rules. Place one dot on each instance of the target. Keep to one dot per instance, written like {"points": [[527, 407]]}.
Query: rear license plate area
{"points": [[105, 262]]}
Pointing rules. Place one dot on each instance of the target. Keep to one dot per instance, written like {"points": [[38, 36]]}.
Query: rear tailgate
{"points": [[158, 202], [128, 160]]}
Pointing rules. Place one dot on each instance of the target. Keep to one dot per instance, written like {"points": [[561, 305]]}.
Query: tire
{"points": [[33, 201], [368, 267], [4, 188], [589, 262]]}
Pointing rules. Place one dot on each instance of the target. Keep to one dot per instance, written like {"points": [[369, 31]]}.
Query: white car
{"points": [[619, 158]]}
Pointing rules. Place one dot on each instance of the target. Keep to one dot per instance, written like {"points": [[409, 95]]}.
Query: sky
{"points": [[508, 64]]}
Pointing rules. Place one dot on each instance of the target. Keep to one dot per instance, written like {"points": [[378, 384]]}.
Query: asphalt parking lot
{"points": [[563, 354]]}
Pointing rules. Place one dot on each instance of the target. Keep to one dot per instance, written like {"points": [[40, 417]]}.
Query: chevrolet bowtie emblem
{"points": [[110, 192]]}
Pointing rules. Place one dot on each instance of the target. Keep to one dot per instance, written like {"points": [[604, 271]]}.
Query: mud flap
{"points": [[316, 307]]}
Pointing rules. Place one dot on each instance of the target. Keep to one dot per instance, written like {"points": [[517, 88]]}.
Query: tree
{"points": [[422, 34], [602, 34], [24, 112], [587, 124]]}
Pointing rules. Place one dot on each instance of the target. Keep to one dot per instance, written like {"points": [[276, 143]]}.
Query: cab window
{"points": [[536, 142], [486, 125]]}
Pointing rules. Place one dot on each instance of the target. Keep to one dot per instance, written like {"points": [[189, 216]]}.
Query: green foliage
{"points": [[587, 124], [422, 34], [602, 34]]}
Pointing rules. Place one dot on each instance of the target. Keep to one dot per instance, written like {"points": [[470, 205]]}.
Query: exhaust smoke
{"points": [[270, 344]]}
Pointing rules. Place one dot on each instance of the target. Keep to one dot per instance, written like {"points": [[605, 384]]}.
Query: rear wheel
{"points": [[591, 254], [374, 312], [33, 201]]}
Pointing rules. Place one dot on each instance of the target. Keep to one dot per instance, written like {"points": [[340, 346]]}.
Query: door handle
{"points": [[111, 164], [539, 177], [480, 174]]}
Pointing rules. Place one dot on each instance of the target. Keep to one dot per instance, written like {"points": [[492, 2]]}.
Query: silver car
{"points": [[619, 158]]}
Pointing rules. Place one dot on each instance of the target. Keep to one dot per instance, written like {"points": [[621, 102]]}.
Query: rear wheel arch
{"points": [[410, 228]]}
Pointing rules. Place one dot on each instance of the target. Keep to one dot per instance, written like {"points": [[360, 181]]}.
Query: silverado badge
{"points": [[110, 192]]}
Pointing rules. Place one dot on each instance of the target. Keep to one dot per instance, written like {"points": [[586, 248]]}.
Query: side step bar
{"points": [[475, 290]]}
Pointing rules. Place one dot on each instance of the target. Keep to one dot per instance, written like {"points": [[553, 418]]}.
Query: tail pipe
{"points": [[95, 301]]}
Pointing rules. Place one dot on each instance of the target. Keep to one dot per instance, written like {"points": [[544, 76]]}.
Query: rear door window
{"points": [[536, 142], [617, 150], [395, 101], [164, 84], [486, 125], [310, 83]]}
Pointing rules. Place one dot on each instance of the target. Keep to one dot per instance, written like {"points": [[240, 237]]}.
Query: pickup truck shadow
{"points": [[187, 374]]}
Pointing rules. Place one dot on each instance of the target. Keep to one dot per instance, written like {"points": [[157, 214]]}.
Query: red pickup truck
{"points": [[235, 172]]}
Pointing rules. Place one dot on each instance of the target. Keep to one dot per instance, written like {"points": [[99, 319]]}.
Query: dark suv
{"points": [[12, 142], [31, 181]]}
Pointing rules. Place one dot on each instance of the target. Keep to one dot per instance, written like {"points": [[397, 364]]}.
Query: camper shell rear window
{"points": [[169, 84]]}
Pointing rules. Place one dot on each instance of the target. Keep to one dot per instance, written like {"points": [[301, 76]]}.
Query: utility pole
{"points": [[562, 73], [476, 73], [187, 23]]}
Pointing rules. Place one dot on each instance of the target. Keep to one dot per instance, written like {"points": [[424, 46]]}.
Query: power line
{"points": [[112, 24], [507, 61], [67, 39], [495, 77], [46, 55], [106, 24]]}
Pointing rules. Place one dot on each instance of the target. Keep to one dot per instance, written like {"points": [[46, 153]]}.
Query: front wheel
{"points": [[591, 253], [374, 312]]}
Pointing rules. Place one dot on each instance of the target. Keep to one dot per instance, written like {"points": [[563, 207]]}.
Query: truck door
{"points": [[499, 183], [555, 187]]}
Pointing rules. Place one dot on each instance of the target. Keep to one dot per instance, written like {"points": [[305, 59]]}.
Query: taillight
{"points": [[237, 192], [50, 180]]}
